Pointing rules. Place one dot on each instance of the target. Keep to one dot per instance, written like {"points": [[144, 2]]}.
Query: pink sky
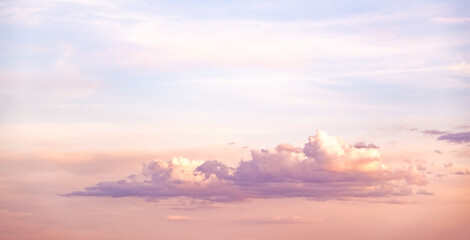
{"points": [[234, 120]]}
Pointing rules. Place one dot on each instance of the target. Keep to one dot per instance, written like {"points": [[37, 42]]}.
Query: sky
{"points": [[244, 120]]}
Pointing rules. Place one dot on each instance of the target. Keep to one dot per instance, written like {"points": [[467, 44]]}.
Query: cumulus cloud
{"points": [[325, 168]]}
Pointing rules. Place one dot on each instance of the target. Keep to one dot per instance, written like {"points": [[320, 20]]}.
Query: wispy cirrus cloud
{"points": [[451, 20], [325, 168]]}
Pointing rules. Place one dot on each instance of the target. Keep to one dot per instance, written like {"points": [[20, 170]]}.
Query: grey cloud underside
{"points": [[325, 168], [240, 190]]}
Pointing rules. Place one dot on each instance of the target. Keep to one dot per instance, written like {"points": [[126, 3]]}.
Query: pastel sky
{"points": [[240, 120]]}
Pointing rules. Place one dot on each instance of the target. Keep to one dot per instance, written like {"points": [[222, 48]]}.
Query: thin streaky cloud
{"points": [[278, 220], [424, 192], [178, 218], [451, 20], [434, 132]]}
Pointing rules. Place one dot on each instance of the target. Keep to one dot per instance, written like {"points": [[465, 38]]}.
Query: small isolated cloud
{"points": [[424, 192], [231, 143], [434, 132], [420, 167], [448, 165], [176, 218], [461, 137], [363, 145], [279, 220], [437, 151], [466, 172], [324, 168]]}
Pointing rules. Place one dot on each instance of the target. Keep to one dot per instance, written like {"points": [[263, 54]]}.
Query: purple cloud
{"points": [[461, 137], [449, 164], [462, 172], [325, 168]]}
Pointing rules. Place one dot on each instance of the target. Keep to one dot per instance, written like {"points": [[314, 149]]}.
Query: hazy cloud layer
{"points": [[325, 168]]}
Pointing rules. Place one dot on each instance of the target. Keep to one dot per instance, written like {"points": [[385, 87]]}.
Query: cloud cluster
{"points": [[325, 168]]}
